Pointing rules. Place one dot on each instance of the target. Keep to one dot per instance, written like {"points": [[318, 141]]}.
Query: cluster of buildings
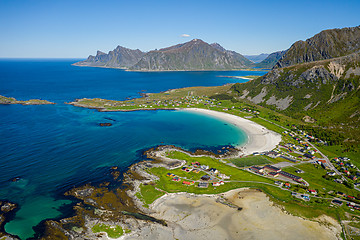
{"points": [[269, 170], [213, 174], [344, 165]]}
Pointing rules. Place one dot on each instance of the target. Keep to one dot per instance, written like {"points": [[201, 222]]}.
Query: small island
{"points": [[11, 100]]}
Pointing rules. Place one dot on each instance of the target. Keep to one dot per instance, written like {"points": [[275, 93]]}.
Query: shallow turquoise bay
{"points": [[55, 147]]}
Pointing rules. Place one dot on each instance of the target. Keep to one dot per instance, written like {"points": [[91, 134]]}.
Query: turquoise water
{"points": [[55, 147]]}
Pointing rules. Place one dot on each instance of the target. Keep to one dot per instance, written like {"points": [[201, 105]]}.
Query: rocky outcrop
{"points": [[120, 57], [11, 100], [325, 45]]}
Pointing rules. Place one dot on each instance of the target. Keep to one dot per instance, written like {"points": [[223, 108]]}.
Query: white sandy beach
{"points": [[260, 139]]}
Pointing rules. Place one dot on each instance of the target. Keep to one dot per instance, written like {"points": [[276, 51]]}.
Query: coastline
{"points": [[193, 70], [241, 213], [260, 139]]}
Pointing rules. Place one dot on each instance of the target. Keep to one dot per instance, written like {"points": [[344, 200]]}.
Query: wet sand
{"points": [[201, 217]]}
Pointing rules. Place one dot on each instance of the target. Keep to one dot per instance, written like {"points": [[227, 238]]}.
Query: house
{"points": [[273, 174], [203, 185], [184, 168], [309, 156], [331, 174], [176, 179], [299, 171], [205, 178], [338, 181], [291, 176], [325, 166], [312, 191], [272, 168], [216, 184], [305, 197], [196, 164], [352, 177], [170, 175], [338, 202], [287, 185], [273, 154], [188, 183], [222, 182], [204, 167], [351, 197], [213, 170], [196, 170], [256, 169], [223, 176]]}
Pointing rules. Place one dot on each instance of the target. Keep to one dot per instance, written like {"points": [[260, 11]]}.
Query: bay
{"points": [[55, 147]]}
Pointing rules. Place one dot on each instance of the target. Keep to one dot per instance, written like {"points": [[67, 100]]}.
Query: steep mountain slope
{"points": [[324, 45], [271, 60], [326, 92], [237, 56], [193, 55], [257, 58], [120, 57]]}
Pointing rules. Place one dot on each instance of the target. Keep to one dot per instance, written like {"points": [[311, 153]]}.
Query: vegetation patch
{"points": [[113, 231]]}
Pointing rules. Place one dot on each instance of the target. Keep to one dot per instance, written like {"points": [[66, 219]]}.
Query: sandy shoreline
{"points": [[254, 216], [260, 139]]}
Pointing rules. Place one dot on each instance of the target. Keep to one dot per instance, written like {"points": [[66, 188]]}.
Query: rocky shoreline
{"points": [[121, 207], [11, 100], [6, 208]]}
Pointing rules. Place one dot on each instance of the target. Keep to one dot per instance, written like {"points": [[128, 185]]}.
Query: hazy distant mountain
{"points": [[271, 60], [324, 45], [193, 55], [120, 57], [257, 58]]}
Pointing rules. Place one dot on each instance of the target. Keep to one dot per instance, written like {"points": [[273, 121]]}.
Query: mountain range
{"points": [[317, 81], [257, 58], [190, 56]]}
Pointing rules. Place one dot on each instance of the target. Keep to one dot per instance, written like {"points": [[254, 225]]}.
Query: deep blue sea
{"points": [[55, 147]]}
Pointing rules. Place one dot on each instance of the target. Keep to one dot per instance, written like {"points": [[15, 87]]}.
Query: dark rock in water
{"points": [[7, 207], [15, 179], [110, 119], [105, 124]]}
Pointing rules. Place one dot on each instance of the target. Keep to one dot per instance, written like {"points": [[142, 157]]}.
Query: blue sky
{"points": [[77, 28]]}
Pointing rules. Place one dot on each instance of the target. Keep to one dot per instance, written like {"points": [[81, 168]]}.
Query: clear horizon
{"points": [[77, 29]]}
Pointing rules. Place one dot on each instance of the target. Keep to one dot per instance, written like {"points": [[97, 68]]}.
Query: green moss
{"points": [[114, 231]]}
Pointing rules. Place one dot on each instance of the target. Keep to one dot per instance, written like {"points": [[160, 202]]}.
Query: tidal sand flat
{"points": [[260, 139], [252, 216]]}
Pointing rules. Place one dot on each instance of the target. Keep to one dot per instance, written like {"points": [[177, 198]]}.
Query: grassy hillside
{"points": [[324, 93]]}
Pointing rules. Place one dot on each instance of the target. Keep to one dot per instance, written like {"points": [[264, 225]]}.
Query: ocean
{"points": [[52, 148]]}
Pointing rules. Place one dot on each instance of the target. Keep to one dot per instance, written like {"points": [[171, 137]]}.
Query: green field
{"points": [[112, 231], [148, 194], [250, 161]]}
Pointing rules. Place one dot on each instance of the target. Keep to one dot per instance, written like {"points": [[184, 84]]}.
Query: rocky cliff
{"points": [[120, 57], [324, 45]]}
